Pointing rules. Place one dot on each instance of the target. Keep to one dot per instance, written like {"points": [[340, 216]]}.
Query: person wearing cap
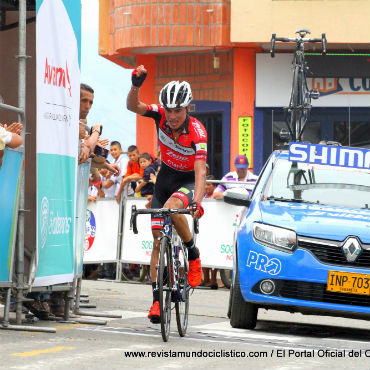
{"points": [[241, 174]]}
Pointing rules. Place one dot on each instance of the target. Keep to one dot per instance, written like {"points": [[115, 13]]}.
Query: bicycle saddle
{"points": [[303, 32]]}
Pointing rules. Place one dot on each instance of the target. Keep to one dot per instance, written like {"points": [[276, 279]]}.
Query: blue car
{"points": [[303, 239]]}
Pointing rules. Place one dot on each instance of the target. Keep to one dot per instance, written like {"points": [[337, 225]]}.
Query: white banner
{"points": [[136, 248], [274, 82], [101, 238], [216, 230]]}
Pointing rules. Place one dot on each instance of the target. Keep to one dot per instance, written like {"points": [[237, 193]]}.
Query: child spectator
{"points": [[158, 159], [108, 182], [133, 173], [146, 188], [94, 191], [120, 159]]}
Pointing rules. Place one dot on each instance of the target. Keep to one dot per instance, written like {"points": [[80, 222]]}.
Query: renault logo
{"points": [[352, 249]]}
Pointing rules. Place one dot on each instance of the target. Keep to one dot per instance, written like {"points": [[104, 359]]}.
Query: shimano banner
{"points": [[58, 40], [9, 183], [330, 155]]}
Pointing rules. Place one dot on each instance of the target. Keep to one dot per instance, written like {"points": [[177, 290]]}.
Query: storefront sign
{"points": [[274, 82], [245, 137]]}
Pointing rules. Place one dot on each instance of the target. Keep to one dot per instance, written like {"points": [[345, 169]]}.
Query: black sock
{"points": [[155, 292], [193, 252]]}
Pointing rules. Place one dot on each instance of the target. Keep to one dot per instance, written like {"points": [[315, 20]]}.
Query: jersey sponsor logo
{"points": [[178, 166], [176, 156], [167, 141], [199, 130], [330, 155], [201, 146], [184, 190]]}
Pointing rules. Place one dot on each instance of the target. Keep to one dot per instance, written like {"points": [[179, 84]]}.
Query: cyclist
{"points": [[181, 180]]}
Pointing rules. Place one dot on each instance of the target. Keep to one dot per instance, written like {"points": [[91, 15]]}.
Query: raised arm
{"points": [[133, 104]]}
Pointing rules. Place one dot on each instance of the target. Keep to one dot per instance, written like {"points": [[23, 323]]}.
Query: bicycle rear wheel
{"points": [[165, 285], [182, 307]]}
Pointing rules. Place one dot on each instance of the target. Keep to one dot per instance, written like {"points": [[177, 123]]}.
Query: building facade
{"points": [[221, 47]]}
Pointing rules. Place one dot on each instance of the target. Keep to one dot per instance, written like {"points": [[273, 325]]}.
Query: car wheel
{"points": [[230, 301], [243, 315]]}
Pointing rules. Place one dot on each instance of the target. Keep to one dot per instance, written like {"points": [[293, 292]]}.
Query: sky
{"points": [[110, 82]]}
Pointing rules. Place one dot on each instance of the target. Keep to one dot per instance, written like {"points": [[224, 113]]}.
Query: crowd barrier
{"points": [[105, 243], [102, 231]]}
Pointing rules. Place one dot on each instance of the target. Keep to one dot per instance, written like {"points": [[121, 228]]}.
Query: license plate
{"points": [[347, 282]]}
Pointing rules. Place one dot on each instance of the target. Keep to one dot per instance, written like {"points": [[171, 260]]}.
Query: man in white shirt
{"points": [[241, 174]]}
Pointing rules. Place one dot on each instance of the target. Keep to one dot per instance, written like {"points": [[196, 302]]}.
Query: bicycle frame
{"points": [[300, 99], [169, 232], [175, 242]]}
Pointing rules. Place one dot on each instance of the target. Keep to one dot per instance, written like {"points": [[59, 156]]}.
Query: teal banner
{"points": [[55, 201], [9, 186]]}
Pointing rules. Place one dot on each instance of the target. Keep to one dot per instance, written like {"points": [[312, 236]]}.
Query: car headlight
{"points": [[275, 237]]}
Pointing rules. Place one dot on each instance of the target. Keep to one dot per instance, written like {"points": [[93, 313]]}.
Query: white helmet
{"points": [[175, 94]]}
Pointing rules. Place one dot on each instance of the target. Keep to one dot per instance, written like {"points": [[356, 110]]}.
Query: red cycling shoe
{"points": [[195, 273], [155, 313]]}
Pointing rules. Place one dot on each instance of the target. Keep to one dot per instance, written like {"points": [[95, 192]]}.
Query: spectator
{"points": [[240, 175], [94, 192], [208, 170], [158, 159], [207, 281], [133, 173], [10, 136], [89, 140], [108, 182], [119, 159], [210, 187], [146, 188]]}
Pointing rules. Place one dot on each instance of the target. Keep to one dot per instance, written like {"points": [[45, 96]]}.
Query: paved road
{"points": [[280, 341]]}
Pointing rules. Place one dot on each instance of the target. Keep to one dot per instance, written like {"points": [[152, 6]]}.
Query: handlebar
{"points": [[163, 212], [298, 40]]}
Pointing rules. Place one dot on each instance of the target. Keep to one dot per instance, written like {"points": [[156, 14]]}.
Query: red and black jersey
{"points": [[191, 145]]}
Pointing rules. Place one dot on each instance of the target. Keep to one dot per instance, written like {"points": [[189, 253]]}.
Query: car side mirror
{"points": [[237, 197]]}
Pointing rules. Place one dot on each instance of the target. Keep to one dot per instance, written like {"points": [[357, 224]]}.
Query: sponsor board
{"points": [[330, 155], [57, 97]]}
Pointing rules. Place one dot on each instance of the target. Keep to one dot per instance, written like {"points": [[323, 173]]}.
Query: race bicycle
{"points": [[173, 267], [300, 100]]}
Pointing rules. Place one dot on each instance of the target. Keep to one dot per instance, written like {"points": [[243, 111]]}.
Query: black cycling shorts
{"points": [[169, 184]]}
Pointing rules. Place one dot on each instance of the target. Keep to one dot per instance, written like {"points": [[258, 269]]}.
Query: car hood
{"points": [[328, 222]]}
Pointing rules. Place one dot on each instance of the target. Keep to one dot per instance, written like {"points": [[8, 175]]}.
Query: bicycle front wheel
{"points": [[182, 306], [165, 285]]}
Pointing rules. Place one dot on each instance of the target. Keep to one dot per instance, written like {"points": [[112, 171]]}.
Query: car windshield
{"points": [[312, 183]]}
